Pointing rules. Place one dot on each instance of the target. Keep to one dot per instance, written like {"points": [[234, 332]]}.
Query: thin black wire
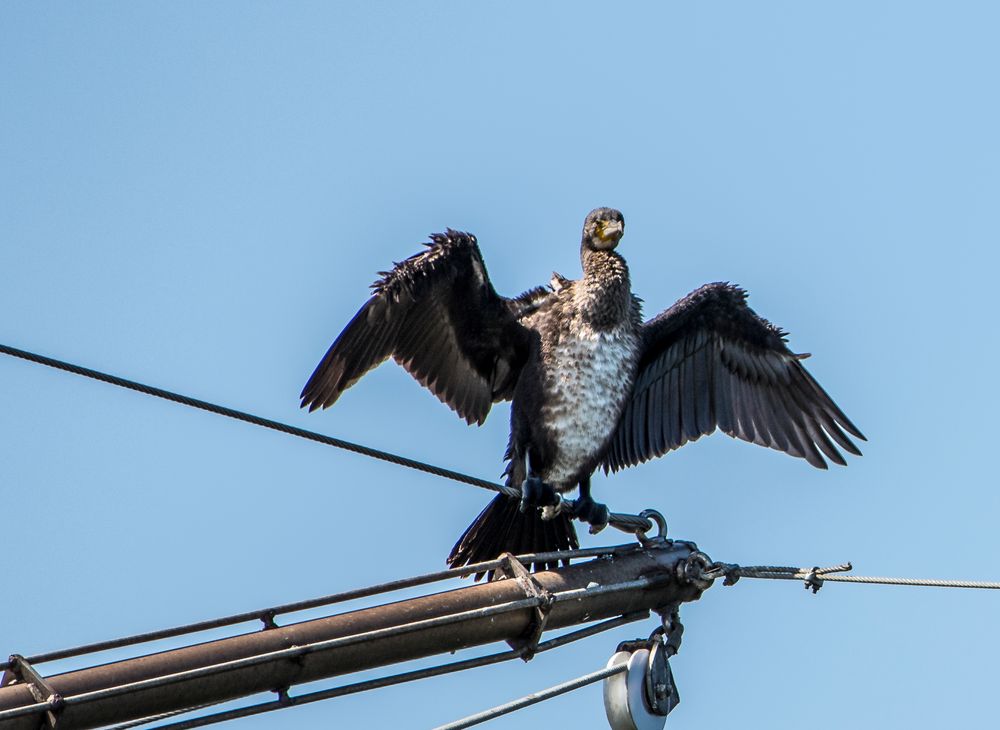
{"points": [[258, 421], [535, 697], [624, 522]]}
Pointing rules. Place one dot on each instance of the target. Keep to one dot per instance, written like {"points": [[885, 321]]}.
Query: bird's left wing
{"points": [[709, 361], [437, 315]]}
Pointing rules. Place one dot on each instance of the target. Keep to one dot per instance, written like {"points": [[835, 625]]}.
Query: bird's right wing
{"points": [[437, 315]]}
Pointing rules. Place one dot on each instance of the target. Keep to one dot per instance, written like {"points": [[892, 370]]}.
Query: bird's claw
{"points": [[536, 493], [593, 513]]}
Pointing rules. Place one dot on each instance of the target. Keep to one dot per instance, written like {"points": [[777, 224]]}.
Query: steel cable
{"points": [[535, 697], [257, 420], [625, 522], [815, 577]]}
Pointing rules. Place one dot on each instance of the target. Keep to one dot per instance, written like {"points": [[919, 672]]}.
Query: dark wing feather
{"points": [[709, 361], [437, 315]]}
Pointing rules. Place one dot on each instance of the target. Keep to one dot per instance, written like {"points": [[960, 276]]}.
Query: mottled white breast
{"points": [[586, 390]]}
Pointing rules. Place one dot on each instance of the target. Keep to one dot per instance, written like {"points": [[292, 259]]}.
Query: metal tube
{"points": [[435, 671], [278, 658]]}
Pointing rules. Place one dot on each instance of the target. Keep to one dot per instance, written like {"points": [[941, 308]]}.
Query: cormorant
{"points": [[591, 384]]}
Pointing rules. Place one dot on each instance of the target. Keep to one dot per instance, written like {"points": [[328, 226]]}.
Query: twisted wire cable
{"points": [[625, 522]]}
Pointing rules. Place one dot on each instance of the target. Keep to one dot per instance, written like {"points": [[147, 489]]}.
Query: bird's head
{"points": [[602, 229]]}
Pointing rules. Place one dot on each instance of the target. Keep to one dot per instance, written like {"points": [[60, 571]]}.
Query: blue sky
{"points": [[197, 195]]}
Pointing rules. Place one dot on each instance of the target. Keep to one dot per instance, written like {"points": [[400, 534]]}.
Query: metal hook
{"points": [[661, 525]]}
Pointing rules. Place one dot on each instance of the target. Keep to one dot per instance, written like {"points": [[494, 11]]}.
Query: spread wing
{"points": [[437, 315], [709, 361]]}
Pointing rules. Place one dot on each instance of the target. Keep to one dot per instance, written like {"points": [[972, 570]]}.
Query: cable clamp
{"points": [[20, 671], [284, 699], [813, 580], [814, 576], [267, 618], [512, 568]]}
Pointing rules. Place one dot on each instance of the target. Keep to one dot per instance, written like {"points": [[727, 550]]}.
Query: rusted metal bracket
{"points": [[512, 568], [267, 618], [21, 672]]}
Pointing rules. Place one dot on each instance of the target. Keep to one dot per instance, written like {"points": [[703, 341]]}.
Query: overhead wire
{"points": [[535, 697], [922, 582], [621, 521], [815, 577], [256, 420]]}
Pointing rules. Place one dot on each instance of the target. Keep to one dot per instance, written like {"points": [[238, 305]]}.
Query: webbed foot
{"points": [[593, 513], [536, 493]]}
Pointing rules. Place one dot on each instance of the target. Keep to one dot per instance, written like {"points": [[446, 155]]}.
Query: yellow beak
{"points": [[611, 231]]}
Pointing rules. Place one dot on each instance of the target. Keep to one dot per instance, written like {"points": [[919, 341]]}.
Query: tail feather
{"points": [[502, 527]]}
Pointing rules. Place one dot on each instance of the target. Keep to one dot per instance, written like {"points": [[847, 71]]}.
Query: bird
{"points": [[592, 386]]}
